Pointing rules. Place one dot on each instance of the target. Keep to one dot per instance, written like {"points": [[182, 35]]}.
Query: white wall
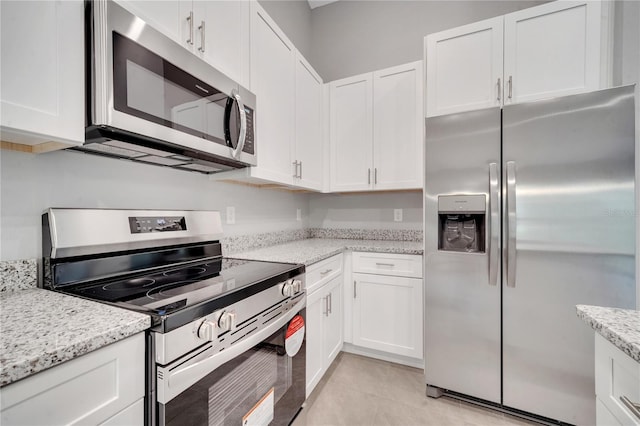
{"points": [[32, 183], [365, 211]]}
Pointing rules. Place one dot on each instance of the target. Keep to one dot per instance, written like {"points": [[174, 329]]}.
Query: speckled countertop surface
{"points": [[41, 328], [619, 326], [313, 250]]}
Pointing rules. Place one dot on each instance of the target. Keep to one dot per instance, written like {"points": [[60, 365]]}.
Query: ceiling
{"points": [[318, 3]]}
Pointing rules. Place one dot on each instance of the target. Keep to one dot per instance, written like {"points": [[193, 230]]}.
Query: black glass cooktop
{"points": [[173, 289]]}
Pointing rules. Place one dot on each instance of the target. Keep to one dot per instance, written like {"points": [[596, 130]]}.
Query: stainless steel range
{"points": [[227, 339]]}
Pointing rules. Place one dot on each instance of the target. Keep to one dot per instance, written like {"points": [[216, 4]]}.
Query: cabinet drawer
{"points": [[323, 271], [400, 265], [617, 376]]}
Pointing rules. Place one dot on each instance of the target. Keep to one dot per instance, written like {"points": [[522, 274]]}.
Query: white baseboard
{"points": [[384, 356]]}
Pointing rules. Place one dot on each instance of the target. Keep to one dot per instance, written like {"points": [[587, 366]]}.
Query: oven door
{"points": [[258, 381], [144, 83]]}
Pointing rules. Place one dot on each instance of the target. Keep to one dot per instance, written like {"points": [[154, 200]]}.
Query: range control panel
{"points": [[142, 225]]}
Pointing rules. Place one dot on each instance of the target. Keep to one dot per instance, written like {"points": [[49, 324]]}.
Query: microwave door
{"points": [[150, 91]]}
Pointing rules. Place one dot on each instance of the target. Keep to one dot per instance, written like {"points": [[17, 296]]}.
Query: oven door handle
{"points": [[172, 382]]}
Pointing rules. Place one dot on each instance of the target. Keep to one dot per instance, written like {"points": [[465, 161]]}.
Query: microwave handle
{"points": [[243, 124]]}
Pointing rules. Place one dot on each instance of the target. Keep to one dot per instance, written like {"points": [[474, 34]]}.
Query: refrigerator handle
{"points": [[494, 224], [511, 224]]}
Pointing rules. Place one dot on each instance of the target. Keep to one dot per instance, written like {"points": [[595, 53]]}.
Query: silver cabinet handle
{"points": [[295, 169], [511, 224], [632, 406], [390, 265], [190, 21], [326, 272], [510, 87], [493, 222], [498, 84], [300, 170], [326, 306], [202, 34], [369, 176], [375, 175], [355, 292], [330, 296]]}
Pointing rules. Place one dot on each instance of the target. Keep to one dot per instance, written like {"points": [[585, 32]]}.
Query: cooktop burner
{"points": [[168, 291]]}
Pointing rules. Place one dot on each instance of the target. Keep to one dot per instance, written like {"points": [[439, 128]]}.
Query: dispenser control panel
{"points": [[461, 223]]}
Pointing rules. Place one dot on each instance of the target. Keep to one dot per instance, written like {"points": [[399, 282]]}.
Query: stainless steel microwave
{"points": [[151, 100]]}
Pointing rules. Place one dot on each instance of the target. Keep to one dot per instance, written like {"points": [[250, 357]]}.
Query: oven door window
{"points": [[148, 87], [263, 376]]}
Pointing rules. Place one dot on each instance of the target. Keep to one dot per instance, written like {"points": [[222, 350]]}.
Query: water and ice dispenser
{"points": [[461, 223]]}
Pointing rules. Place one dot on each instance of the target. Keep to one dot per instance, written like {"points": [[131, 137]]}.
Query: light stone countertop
{"points": [[41, 328], [313, 250], [621, 327]]}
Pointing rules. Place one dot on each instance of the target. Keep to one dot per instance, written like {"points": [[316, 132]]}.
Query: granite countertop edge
{"points": [[312, 250], [621, 327], [41, 348], [45, 360]]}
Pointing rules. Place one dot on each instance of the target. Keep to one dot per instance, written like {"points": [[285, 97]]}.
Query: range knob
{"points": [[297, 286], [208, 331], [288, 289], [226, 321]]}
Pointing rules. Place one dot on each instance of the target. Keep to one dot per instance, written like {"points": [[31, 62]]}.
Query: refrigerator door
{"points": [[462, 289], [569, 238]]}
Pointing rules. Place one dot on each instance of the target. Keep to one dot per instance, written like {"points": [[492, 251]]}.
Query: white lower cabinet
{"points": [[324, 318], [106, 386], [617, 385], [386, 307]]}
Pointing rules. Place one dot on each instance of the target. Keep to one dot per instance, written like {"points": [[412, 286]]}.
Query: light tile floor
{"points": [[363, 391]]}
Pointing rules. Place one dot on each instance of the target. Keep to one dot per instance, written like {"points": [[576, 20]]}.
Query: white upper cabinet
{"points": [[308, 150], [376, 130], [554, 49], [397, 127], [218, 32], [351, 133], [163, 15], [289, 110], [464, 67], [272, 80], [42, 73]]}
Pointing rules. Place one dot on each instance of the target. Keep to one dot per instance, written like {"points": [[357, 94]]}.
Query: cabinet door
{"points": [[308, 126], [397, 127], [273, 82], [316, 312], [351, 133], [42, 85], [332, 329], [387, 314], [87, 390], [464, 67], [163, 15], [552, 50], [222, 36]]}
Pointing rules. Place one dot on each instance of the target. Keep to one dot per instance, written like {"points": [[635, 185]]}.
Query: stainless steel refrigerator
{"points": [[529, 210]]}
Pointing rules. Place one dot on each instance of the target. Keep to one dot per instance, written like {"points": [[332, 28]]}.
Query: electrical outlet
{"points": [[397, 215], [231, 215], [298, 214]]}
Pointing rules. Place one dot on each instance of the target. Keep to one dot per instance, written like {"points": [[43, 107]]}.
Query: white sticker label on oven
{"points": [[262, 413], [295, 336]]}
